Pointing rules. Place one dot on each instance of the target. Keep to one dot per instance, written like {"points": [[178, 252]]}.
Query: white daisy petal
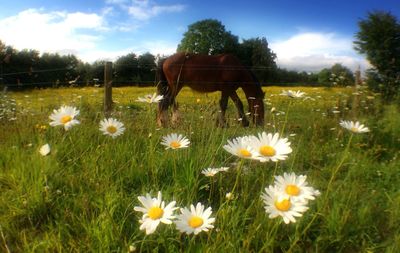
{"points": [[154, 211], [175, 141], [65, 116], [354, 127], [44, 150], [194, 220]]}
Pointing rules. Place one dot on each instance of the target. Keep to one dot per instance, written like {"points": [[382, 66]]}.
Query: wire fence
{"points": [[70, 76]]}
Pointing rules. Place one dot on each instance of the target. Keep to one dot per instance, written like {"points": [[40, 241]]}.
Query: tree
{"points": [[337, 75], [147, 68], [208, 37], [256, 54], [379, 39], [127, 69], [55, 69]]}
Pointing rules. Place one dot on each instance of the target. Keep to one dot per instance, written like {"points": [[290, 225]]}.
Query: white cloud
{"points": [[158, 47], [144, 10], [315, 51], [51, 31], [154, 47]]}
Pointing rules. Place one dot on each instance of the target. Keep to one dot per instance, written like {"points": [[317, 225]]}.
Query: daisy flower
{"points": [[154, 211], [279, 204], [210, 172], [64, 116], [295, 186], [44, 150], [241, 147], [111, 127], [194, 220], [150, 98], [293, 94], [271, 147], [354, 127], [175, 141]]}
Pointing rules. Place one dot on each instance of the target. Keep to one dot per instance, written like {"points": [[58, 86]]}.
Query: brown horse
{"points": [[205, 73]]}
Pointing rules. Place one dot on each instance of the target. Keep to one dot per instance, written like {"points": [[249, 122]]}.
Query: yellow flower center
{"points": [[244, 152], [65, 119], [292, 190], [283, 205], [354, 129], [195, 221], [155, 213], [175, 144], [111, 129], [267, 151]]}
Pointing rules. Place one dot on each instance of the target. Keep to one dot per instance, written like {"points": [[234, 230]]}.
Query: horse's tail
{"points": [[162, 84]]}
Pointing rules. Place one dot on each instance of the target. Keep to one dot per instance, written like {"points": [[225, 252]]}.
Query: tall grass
{"points": [[80, 198]]}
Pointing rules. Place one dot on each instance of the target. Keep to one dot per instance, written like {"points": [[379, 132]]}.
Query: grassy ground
{"points": [[80, 198]]}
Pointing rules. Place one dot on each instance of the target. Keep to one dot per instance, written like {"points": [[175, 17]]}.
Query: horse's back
{"points": [[204, 73]]}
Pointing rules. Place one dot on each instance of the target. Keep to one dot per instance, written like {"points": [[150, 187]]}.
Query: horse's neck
{"points": [[252, 90]]}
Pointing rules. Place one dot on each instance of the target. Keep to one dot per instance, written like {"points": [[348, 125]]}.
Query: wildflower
{"points": [[271, 147], [175, 141], [229, 196], [210, 172], [295, 186], [64, 116], [154, 211], [44, 150], [111, 127], [150, 98], [354, 127], [293, 94], [279, 204], [241, 147], [195, 220]]}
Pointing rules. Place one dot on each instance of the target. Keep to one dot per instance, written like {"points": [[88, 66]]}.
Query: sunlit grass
{"points": [[81, 196]]}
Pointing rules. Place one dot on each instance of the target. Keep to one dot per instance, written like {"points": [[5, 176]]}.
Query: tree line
{"points": [[378, 38], [29, 69]]}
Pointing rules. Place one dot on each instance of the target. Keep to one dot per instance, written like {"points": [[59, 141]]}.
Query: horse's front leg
{"points": [[176, 116], [162, 115], [223, 104], [239, 106]]}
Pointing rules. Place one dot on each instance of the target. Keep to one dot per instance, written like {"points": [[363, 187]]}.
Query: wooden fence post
{"points": [[107, 88]]}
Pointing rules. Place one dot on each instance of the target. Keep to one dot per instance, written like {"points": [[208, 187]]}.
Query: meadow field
{"points": [[81, 197]]}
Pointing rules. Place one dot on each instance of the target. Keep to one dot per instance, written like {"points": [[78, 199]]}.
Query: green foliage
{"points": [[337, 75], [285, 77], [126, 69], [80, 198], [208, 37], [255, 54], [379, 39], [147, 68]]}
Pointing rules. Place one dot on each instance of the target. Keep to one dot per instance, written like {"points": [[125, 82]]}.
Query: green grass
{"points": [[81, 197]]}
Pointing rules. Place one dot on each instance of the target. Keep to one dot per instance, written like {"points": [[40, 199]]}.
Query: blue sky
{"points": [[305, 35]]}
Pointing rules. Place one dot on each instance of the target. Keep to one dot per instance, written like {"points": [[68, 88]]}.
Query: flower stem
{"points": [[239, 172]]}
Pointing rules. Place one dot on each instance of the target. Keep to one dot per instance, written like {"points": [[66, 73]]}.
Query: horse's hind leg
{"points": [[223, 104], [239, 105]]}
